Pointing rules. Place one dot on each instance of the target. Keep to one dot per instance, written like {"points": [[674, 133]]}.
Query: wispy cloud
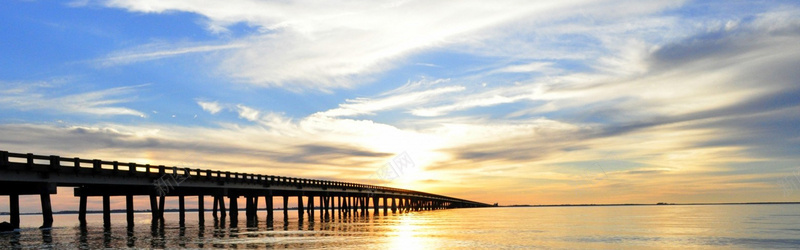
{"points": [[326, 46], [211, 107], [101, 102], [158, 51]]}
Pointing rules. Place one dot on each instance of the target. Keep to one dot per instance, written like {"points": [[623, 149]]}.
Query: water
{"points": [[719, 226]]}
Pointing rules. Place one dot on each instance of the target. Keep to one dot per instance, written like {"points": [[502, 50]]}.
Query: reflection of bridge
{"points": [[29, 174]]}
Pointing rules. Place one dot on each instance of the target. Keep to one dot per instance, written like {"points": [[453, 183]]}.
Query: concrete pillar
{"points": [[181, 211], [325, 199], [322, 208], [13, 203], [82, 210], [255, 207], [106, 211], [394, 205], [248, 208], [300, 210], [311, 207], [47, 210], [234, 209], [214, 207], [129, 210], [222, 213], [153, 209], [268, 200], [161, 203], [364, 206], [201, 210], [375, 204], [385, 205], [339, 207], [285, 207], [354, 204]]}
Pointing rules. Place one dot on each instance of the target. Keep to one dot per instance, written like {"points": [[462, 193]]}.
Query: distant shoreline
{"points": [[656, 204]]}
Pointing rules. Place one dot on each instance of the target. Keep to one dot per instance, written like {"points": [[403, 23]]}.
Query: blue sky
{"points": [[558, 102]]}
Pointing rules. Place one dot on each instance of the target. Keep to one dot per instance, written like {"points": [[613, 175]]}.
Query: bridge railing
{"points": [[54, 163]]}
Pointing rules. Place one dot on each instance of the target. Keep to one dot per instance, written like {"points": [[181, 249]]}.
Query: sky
{"points": [[515, 102]]}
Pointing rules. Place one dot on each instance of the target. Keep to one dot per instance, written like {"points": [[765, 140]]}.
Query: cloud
{"points": [[102, 102], [211, 107], [409, 95], [247, 112], [158, 51], [323, 46]]}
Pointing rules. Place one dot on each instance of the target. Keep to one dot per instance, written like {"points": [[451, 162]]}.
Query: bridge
{"points": [[29, 174]]}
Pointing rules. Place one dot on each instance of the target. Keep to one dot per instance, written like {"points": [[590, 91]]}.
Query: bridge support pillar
{"points": [[326, 205], [106, 211], [310, 208], [255, 208], [215, 207], [248, 209], [375, 205], [268, 200], [201, 210], [181, 211], [385, 206], [161, 204], [339, 207], [47, 210], [285, 208], [300, 210], [129, 211], [234, 210], [82, 210], [13, 203], [354, 205], [394, 205], [153, 209]]}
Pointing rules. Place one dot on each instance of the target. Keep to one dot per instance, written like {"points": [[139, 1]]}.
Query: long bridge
{"points": [[29, 174]]}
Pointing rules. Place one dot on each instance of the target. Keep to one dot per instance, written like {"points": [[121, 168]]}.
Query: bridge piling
{"points": [[375, 201], [234, 210], [129, 210], [285, 208], [47, 210], [222, 213], [385, 206], [339, 208], [310, 209], [153, 208], [181, 211], [300, 210], [255, 208], [201, 211], [13, 203], [394, 205], [106, 211], [161, 203], [82, 210], [215, 207], [268, 200]]}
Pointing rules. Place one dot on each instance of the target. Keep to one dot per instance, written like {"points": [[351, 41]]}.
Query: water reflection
{"points": [[588, 227]]}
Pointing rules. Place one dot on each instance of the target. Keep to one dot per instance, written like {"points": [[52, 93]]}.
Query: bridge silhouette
{"points": [[29, 174]]}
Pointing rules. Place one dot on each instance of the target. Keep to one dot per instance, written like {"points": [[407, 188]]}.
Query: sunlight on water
{"points": [[721, 227]]}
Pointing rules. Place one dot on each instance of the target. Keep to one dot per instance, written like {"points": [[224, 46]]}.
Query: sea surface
{"points": [[595, 227]]}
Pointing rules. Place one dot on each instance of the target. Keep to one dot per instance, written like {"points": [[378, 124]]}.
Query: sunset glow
{"points": [[514, 102]]}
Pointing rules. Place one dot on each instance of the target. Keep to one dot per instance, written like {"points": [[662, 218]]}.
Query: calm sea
{"points": [[677, 226]]}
